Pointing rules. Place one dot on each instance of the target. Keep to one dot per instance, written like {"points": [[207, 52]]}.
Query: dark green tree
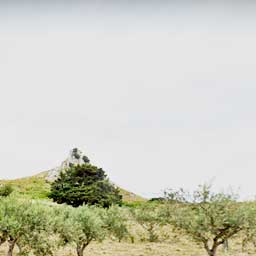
{"points": [[84, 184], [5, 190]]}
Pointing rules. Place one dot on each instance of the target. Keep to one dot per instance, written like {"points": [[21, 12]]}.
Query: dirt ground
{"points": [[168, 248]]}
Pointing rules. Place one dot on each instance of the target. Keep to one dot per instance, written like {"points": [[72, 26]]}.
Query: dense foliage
{"points": [[209, 218], [6, 190], [84, 184], [26, 224], [38, 228], [80, 226]]}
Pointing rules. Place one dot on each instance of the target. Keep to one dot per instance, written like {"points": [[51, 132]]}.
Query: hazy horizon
{"points": [[160, 94]]}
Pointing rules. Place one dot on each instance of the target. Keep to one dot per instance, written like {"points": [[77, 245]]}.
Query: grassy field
{"points": [[168, 248], [173, 247]]}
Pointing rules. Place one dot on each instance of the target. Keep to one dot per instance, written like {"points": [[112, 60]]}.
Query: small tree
{"points": [[84, 184], [22, 223], [79, 226], [148, 216], [208, 218], [249, 232], [115, 222]]}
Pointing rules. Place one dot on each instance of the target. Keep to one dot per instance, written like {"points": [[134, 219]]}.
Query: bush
{"points": [[6, 190]]}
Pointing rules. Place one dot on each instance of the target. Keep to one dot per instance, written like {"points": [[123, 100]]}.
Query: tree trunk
{"points": [[225, 245], [11, 247], [212, 251], [80, 250], [3, 238]]}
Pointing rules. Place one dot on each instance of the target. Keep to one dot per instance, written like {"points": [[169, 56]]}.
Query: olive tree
{"points": [[25, 223], [249, 232], [209, 218], [115, 222], [79, 226], [148, 216]]}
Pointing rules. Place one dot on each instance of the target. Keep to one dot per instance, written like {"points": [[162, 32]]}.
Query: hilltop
{"points": [[38, 186]]}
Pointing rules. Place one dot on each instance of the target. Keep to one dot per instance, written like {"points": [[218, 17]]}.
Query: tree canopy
{"points": [[6, 190], [209, 218], [84, 184]]}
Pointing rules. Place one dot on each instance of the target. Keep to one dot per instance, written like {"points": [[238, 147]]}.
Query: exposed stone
{"points": [[76, 157]]}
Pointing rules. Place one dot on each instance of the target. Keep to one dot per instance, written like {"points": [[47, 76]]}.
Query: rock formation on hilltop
{"points": [[76, 157], [38, 186]]}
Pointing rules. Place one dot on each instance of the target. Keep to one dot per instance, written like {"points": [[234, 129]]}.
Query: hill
{"points": [[38, 186]]}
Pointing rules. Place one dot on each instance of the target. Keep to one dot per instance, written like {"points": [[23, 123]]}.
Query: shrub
{"points": [[6, 190]]}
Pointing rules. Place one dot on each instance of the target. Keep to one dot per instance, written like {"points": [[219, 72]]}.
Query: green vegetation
{"points": [[82, 208], [36, 227], [208, 218], [26, 224], [115, 219], [148, 216], [41, 228], [80, 226], [84, 184], [34, 187], [6, 190]]}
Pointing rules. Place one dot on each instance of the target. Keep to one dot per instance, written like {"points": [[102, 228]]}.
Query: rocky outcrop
{"points": [[76, 157]]}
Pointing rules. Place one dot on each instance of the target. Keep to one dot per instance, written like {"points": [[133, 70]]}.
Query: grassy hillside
{"points": [[36, 187]]}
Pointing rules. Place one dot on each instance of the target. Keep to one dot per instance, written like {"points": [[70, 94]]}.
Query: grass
{"points": [[175, 246], [36, 187]]}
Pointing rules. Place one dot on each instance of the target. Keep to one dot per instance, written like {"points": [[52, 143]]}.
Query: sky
{"points": [[160, 94]]}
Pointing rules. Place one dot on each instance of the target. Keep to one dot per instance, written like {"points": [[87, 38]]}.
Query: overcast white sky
{"points": [[160, 95]]}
